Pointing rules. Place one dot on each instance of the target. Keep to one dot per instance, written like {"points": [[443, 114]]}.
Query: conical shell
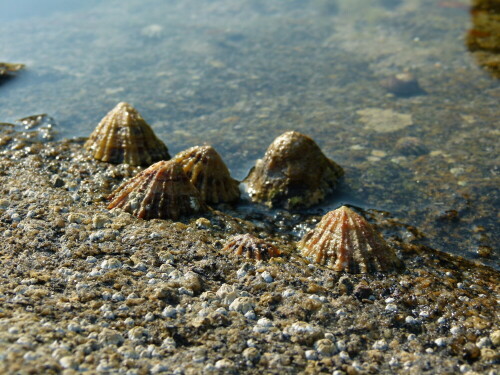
{"points": [[251, 247], [294, 173], [162, 191], [345, 241], [123, 136], [209, 174]]}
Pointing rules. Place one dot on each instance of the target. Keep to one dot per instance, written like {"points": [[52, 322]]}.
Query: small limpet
{"points": [[123, 136], [251, 247], [209, 174], [162, 191], [344, 241]]}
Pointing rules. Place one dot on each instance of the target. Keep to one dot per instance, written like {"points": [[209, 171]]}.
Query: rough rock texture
{"points": [[87, 289]]}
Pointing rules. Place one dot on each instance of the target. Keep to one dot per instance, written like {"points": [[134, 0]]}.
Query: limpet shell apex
{"points": [[209, 174], [123, 136], [344, 241], [294, 173], [251, 247], [162, 191]]}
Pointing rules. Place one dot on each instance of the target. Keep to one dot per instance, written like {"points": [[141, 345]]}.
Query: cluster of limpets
{"points": [[294, 173]]}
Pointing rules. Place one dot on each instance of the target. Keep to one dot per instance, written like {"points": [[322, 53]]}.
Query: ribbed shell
{"points": [[345, 241], [251, 247], [123, 136], [209, 174], [162, 191], [294, 173]]}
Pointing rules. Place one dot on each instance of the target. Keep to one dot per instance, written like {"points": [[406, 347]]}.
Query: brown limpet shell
{"points": [[123, 136], [8, 68], [344, 241], [162, 191], [209, 174], [251, 247], [294, 173]]}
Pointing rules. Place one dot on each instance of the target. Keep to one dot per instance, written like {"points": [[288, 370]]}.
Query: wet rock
{"points": [[384, 120], [411, 146], [402, 85]]}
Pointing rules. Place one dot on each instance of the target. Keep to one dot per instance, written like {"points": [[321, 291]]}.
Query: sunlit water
{"points": [[236, 74]]}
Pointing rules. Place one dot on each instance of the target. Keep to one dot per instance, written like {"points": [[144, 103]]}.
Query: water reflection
{"points": [[24, 9], [483, 39]]}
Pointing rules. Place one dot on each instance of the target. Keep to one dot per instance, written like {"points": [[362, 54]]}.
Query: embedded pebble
{"points": [[380, 345], [495, 338], [242, 305], [441, 341], [111, 264], [266, 276]]}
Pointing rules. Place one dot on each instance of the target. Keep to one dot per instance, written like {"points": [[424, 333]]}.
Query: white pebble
{"points": [[109, 315], [424, 314], [68, 362], [169, 343], [442, 342], [465, 368], [344, 356], [73, 327], [311, 355], [483, 342], [266, 276], [241, 273], [411, 320], [221, 310], [242, 305], [110, 264], [393, 362], [30, 356], [250, 315], [265, 322], [117, 297], [380, 345], [391, 307], [158, 369], [169, 312]]}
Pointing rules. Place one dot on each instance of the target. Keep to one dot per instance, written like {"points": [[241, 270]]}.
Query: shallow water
{"points": [[238, 74]]}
